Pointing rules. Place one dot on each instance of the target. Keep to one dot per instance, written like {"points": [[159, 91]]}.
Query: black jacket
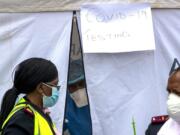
{"points": [[22, 122], [153, 128]]}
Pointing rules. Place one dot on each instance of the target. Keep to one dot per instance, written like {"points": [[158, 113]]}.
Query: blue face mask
{"points": [[49, 101]]}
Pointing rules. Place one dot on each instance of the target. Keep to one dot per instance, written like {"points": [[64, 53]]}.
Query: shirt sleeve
{"points": [[21, 123]]}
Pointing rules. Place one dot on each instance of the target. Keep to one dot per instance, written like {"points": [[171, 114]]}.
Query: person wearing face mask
{"points": [[37, 78], [77, 114], [172, 125]]}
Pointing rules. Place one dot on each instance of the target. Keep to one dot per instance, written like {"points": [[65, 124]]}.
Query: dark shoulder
{"points": [[22, 122], [156, 123], [22, 115]]}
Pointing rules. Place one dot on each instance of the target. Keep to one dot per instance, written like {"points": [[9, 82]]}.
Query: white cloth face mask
{"points": [[80, 97], [173, 106]]}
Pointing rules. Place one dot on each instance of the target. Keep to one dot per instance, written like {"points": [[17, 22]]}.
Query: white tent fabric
{"points": [[69, 5], [120, 86], [25, 35], [132, 85]]}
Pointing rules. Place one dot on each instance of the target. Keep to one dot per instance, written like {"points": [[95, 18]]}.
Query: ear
{"points": [[39, 88]]}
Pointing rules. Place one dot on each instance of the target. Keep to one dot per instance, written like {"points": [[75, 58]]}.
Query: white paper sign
{"points": [[115, 28]]}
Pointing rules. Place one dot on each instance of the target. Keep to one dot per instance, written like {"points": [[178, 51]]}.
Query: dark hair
{"points": [[28, 74]]}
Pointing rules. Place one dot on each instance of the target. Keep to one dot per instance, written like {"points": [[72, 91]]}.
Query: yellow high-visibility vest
{"points": [[41, 126]]}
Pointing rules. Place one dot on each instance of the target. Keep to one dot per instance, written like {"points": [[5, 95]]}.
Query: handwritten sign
{"points": [[116, 28]]}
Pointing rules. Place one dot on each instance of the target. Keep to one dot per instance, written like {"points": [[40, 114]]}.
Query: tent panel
{"points": [[69, 5]]}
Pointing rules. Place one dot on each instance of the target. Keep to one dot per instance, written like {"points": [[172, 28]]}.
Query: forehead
{"points": [[174, 78]]}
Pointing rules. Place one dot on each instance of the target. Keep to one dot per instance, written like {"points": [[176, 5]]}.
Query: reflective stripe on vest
{"points": [[41, 126]]}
